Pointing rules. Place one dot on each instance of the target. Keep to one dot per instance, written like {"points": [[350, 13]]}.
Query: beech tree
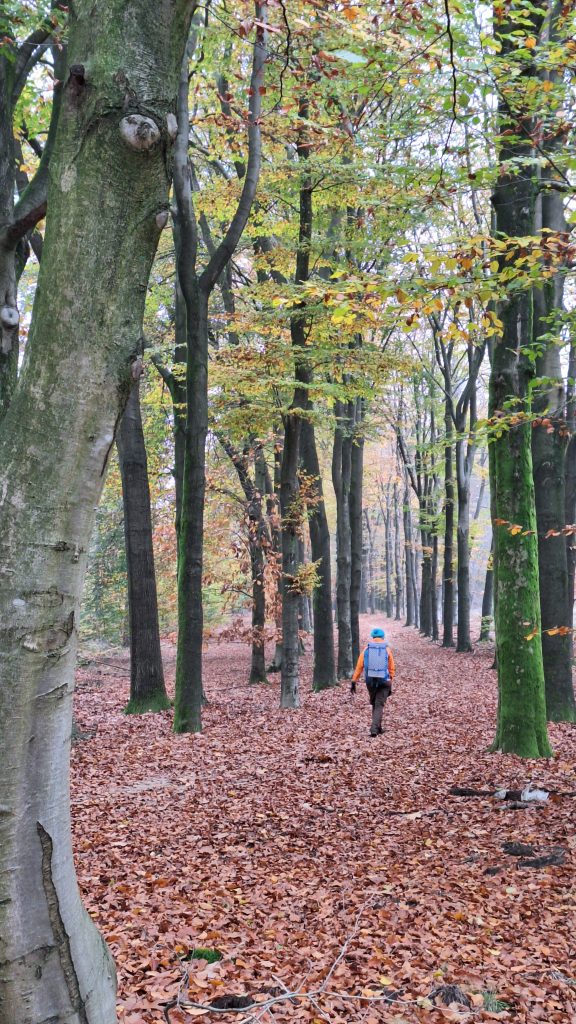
{"points": [[521, 727], [147, 688], [107, 198]]}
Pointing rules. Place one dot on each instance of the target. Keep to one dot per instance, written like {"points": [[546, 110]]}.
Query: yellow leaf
{"points": [[385, 981], [401, 295], [530, 42]]}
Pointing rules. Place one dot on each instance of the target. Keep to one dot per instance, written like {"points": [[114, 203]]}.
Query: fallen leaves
{"points": [[300, 849]]}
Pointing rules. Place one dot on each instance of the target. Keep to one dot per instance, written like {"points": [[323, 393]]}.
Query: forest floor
{"points": [[319, 861]]}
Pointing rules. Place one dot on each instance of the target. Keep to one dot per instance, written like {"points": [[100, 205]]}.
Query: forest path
{"points": [[275, 836]]}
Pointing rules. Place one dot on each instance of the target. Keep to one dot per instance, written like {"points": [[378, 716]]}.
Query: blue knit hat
{"points": [[377, 632]]}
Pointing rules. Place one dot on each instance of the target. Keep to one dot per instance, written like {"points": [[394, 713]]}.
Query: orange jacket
{"points": [[360, 664]]}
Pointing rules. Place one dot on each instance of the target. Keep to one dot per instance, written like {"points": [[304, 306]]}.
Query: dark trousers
{"points": [[378, 692]]}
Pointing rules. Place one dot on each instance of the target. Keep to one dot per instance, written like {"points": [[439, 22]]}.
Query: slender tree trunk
{"points": [[289, 493], [488, 597], [274, 525], [463, 643], [448, 572], [521, 727], [397, 556], [434, 585], [147, 689], [388, 551], [188, 690], [408, 559], [426, 592], [356, 483], [196, 291], [341, 469], [85, 328], [324, 665], [365, 578]]}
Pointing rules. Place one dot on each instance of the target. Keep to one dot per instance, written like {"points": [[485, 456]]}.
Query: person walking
{"points": [[377, 662]]}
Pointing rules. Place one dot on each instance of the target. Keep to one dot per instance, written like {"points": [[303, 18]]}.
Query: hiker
{"points": [[378, 664]]}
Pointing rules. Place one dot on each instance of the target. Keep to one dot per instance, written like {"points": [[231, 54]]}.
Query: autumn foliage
{"points": [[317, 860]]}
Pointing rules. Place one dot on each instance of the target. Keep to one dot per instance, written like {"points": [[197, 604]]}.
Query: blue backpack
{"points": [[376, 663]]}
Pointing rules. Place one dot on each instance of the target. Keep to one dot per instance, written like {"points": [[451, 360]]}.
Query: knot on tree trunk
{"points": [[139, 132]]}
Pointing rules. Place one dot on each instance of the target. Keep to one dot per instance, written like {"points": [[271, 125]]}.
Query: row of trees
{"points": [[367, 204]]}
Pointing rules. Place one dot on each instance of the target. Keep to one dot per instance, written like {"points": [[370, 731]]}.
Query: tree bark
{"points": [[324, 674], [463, 473], [356, 484], [521, 727], [341, 470], [411, 598], [488, 597], [550, 436], [397, 556], [147, 688], [85, 328], [448, 572]]}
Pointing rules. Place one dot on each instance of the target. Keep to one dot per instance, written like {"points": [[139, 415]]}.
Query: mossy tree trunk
{"points": [[521, 727], [550, 433], [147, 688], [109, 183]]}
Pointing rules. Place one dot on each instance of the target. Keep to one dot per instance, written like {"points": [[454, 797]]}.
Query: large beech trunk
{"points": [[109, 183], [147, 689], [521, 727], [549, 441]]}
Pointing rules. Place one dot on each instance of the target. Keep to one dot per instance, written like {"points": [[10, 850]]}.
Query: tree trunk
{"points": [[549, 438], [388, 549], [289, 494], [408, 559], [356, 483], [188, 686], [426, 592], [570, 476], [341, 469], [448, 572], [397, 556], [324, 665], [434, 586], [147, 689], [463, 642], [86, 324], [521, 727], [488, 597]]}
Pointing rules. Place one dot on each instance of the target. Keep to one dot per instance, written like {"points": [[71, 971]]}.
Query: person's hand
{"points": [[352, 686]]}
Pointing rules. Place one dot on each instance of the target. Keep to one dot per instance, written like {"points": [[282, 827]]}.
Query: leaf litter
{"points": [[334, 875]]}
